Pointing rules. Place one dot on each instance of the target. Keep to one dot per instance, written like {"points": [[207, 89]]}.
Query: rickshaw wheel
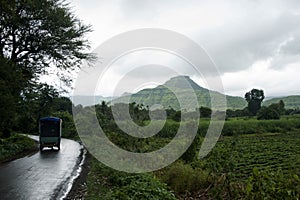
{"points": [[41, 147]]}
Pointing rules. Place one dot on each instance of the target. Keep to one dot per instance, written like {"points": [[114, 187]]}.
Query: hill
{"points": [[291, 102], [183, 86], [89, 100]]}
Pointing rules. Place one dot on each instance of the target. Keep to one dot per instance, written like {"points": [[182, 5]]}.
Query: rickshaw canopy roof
{"points": [[50, 119]]}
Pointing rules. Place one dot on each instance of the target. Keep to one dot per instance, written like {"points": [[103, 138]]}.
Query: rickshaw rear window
{"points": [[50, 128]]}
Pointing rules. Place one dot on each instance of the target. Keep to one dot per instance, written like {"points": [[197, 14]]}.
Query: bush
{"points": [[14, 145], [268, 113], [106, 183], [183, 178]]}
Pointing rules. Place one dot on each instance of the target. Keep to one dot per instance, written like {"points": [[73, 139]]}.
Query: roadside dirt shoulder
{"points": [[79, 187]]}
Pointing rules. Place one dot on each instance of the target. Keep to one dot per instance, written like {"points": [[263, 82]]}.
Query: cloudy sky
{"points": [[254, 44]]}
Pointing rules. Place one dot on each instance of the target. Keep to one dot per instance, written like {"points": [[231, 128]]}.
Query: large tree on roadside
{"points": [[38, 34], [11, 83], [254, 99]]}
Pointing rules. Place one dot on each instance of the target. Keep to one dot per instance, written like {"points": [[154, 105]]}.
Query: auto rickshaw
{"points": [[50, 132]]}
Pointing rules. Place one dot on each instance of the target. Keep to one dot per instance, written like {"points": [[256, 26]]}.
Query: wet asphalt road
{"points": [[44, 175]]}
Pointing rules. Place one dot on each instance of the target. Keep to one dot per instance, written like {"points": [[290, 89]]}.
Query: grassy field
{"points": [[253, 159]]}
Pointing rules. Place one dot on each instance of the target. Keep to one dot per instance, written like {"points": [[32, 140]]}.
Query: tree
{"points": [[205, 112], [254, 99], [35, 36], [273, 111], [62, 104], [68, 126], [268, 113], [38, 34], [281, 107], [36, 101], [11, 83]]}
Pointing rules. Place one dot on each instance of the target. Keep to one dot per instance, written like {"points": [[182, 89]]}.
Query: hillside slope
{"points": [[183, 86], [291, 102]]}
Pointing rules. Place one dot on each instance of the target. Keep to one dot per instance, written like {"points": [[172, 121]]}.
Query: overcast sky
{"points": [[254, 44]]}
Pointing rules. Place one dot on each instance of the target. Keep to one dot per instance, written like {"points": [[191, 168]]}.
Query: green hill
{"points": [[290, 102], [183, 86]]}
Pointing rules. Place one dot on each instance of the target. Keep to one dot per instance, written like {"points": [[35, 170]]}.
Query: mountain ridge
{"points": [[183, 86], [163, 94]]}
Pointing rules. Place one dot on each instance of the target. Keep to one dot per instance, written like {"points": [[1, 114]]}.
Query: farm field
{"points": [[252, 159], [269, 151]]}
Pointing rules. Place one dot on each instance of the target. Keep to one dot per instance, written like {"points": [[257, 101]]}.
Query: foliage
{"points": [[37, 33], [238, 113], [290, 102], [182, 178], [192, 152], [106, 183], [236, 126], [254, 99], [164, 95], [272, 185], [205, 112], [11, 83], [263, 144], [62, 103], [273, 111], [173, 114], [68, 126], [267, 113], [257, 166], [14, 145], [238, 155], [36, 102]]}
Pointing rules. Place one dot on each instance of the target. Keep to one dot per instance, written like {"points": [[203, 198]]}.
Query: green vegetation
{"points": [[184, 179], [240, 154], [249, 166], [253, 159], [35, 36], [106, 183], [254, 99], [14, 145], [163, 95], [291, 102], [252, 126]]}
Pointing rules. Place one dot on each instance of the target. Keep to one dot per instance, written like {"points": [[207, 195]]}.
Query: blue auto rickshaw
{"points": [[50, 132]]}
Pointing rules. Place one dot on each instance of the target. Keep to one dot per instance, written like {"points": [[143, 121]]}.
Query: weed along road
{"points": [[44, 175]]}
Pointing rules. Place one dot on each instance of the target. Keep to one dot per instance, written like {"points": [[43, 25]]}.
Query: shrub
{"points": [[14, 145], [268, 113], [107, 183], [183, 178]]}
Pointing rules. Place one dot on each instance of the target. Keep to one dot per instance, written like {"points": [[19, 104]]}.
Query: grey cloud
{"points": [[242, 32], [139, 9], [292, 47], [237, 46]]}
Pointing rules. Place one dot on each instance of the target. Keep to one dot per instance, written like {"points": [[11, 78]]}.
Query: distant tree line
{"points": [[255, 98], [140, 113]]}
